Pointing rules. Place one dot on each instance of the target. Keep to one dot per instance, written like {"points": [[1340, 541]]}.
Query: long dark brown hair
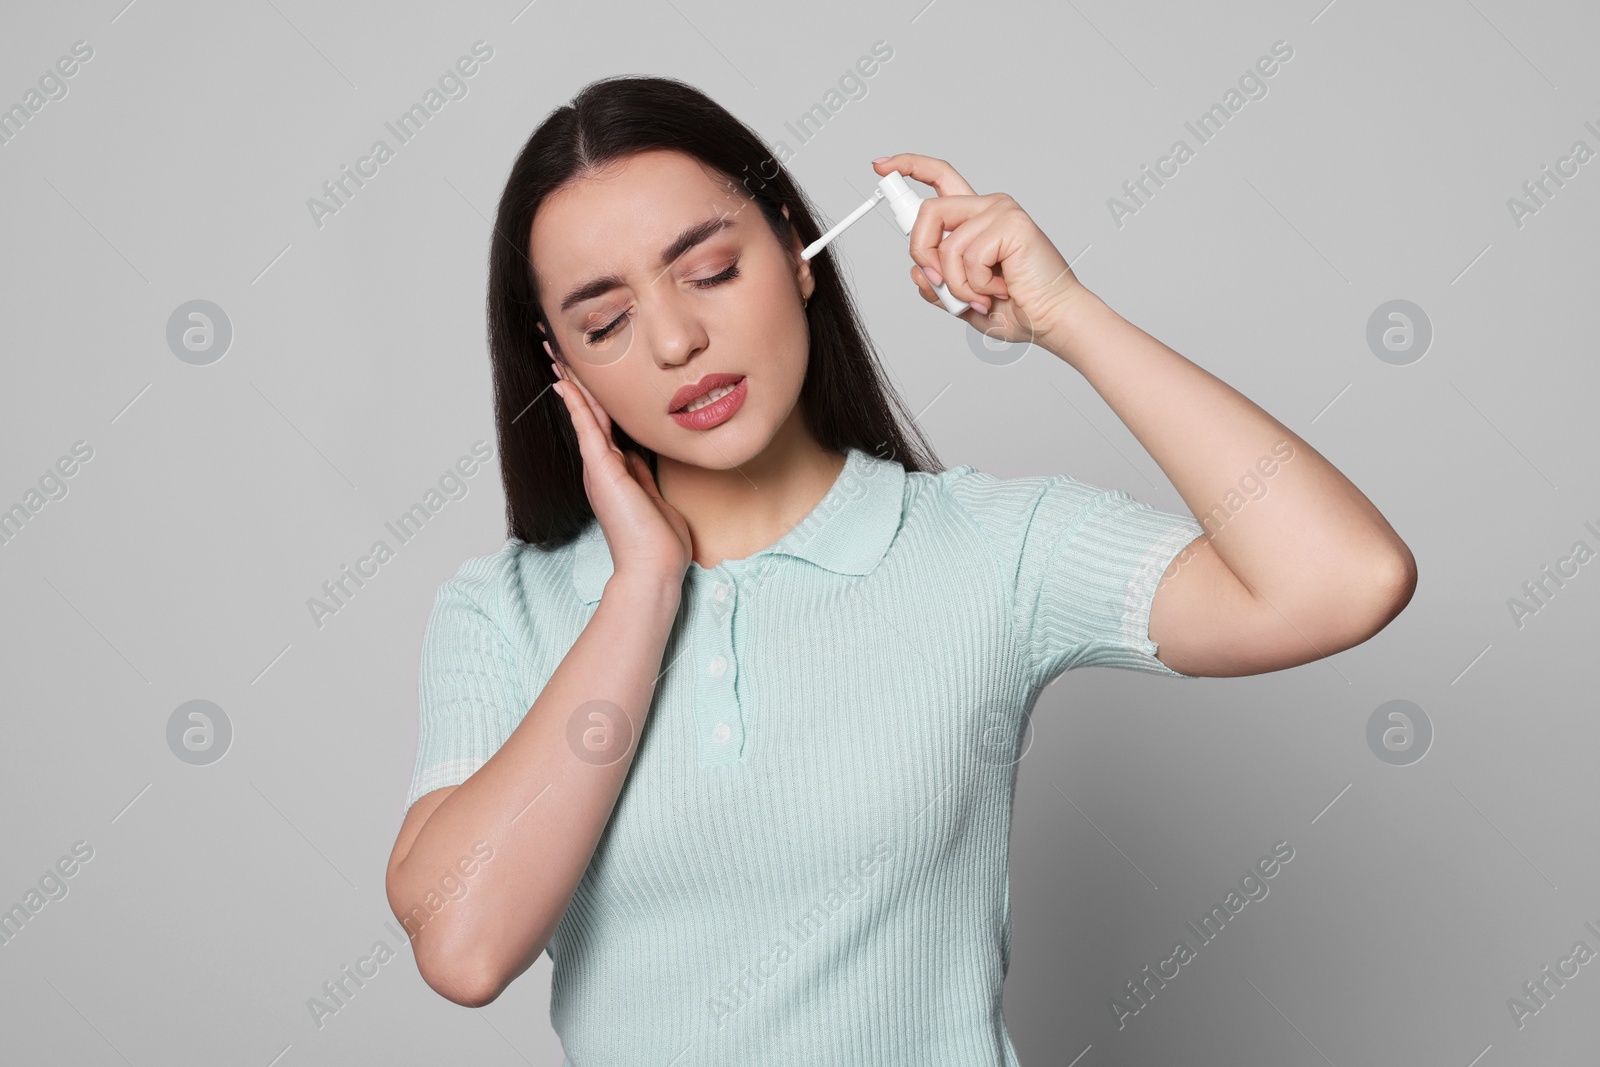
{"points": [[846, 399]]}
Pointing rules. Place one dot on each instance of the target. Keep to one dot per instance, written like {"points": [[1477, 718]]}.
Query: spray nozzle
{"points": [[822, 242], [903, 202]]}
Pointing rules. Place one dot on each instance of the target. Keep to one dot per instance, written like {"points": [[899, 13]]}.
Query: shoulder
{"points": [[484, 579], [976, 514], [1002, 509], [1013, 522], [501, 584]]}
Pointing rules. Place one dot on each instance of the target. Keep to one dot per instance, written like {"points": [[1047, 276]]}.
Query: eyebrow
{"points": [[686, 240]]}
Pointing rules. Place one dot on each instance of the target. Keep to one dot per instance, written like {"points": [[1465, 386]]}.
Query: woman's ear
{"points": [[544, 342], [802, 270]]}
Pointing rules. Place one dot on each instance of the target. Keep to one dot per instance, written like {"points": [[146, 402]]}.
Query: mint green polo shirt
{"points": [[807, 863]]}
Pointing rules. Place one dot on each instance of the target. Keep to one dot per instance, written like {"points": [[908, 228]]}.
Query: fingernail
{"points": [[933, 276], [882, 159]]}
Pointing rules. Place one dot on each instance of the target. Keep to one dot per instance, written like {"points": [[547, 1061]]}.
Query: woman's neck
{"points": [[735, 513]]}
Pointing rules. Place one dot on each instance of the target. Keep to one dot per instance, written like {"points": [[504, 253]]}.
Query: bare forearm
{"points": [[1286, 522], [542, 801]]}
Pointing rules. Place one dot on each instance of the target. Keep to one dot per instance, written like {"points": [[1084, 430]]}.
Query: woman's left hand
{"points": [[995, 257]]}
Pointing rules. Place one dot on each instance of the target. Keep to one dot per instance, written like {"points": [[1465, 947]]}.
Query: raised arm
{"points": [[1295, 563], [1302, 569]]}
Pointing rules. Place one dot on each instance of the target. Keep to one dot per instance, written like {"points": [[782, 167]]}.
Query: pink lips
{"points": [[688, 394], [718, 411]]}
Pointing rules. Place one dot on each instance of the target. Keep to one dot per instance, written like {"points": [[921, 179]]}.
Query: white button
{"points": [[720, 591], [719, 666], [720, 733]]}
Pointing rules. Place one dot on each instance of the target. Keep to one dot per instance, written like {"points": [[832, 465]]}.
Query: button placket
{"points": [[720, 722]]}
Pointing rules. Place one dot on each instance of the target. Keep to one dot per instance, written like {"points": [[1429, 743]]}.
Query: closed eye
{"points": [[717, 279], [596, 336]]}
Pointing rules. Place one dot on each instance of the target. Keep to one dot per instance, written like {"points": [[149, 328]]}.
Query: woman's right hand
{"points": [[647, 536]]}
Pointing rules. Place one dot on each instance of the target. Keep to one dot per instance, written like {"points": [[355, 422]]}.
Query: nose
{"points": [[673, 327]]}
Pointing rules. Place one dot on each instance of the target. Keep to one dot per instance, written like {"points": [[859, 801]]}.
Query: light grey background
{"points": [[219, 498]]}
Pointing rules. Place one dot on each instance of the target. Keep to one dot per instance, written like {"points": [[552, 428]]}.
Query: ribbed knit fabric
{"points": [[807, 864]]}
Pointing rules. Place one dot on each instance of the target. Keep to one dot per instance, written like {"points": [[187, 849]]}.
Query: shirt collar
{"points": [[848, 531]]}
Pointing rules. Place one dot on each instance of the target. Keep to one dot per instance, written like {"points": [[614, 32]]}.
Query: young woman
{"points": [[729, 726]]}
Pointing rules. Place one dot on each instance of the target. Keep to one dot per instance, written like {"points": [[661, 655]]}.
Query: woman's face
{"points": [[654, 275]]}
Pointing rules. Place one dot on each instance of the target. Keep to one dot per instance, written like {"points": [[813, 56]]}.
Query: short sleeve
{"points": [[472, 688], [1081, 565], [1091, 560]]}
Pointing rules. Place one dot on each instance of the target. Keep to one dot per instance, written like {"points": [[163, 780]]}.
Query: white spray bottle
{"points": [[903, 201]]}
